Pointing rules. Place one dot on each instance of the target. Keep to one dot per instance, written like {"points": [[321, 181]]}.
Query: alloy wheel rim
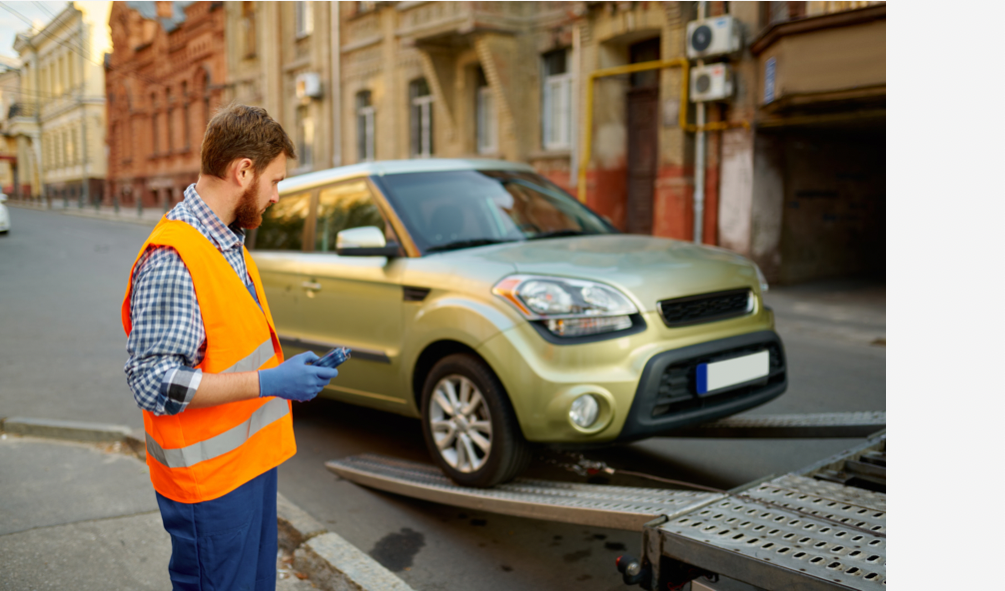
{"points": [[461, 424]]}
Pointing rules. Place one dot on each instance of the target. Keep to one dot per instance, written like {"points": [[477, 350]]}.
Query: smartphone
{"points": [[334, 358]]}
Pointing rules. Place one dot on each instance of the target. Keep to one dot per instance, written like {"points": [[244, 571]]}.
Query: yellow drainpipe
{"points": [[631, 69]]}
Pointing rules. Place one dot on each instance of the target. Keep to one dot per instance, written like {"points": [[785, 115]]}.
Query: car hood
{"points": [[649, 269]]}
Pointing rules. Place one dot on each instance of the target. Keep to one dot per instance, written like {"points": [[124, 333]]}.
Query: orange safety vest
{"points": [[201, 454]]}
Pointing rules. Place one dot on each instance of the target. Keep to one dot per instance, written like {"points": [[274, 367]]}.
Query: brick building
{"points": [[164, 78], [796, 180]]}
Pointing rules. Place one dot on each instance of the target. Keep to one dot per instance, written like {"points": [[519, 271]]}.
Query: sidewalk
{"points": [[78, 516], [83, 516]]}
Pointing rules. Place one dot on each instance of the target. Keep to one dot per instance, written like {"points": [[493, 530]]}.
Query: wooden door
{"points": [[642, 153]]}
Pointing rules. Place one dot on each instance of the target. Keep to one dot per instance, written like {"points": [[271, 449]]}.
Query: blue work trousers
{"points": [[227, 544]]}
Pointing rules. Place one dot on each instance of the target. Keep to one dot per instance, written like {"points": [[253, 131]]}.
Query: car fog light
{"points": [[584, 410]]}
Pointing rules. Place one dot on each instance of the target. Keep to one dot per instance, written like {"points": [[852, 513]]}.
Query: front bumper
{"points": [[667, 398], [543, 379]]}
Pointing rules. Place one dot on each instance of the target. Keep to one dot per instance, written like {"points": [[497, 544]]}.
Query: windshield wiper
{"points": [[466, 244], [558, 234]]}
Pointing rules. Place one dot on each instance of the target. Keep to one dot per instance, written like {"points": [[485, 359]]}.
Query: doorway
{"points": [[643, 140]]}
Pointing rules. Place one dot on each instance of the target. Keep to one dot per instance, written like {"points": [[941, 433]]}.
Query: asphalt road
{"points": [[62, 279]]}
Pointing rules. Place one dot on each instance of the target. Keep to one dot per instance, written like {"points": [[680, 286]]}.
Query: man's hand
{"points": [[294, 379]]}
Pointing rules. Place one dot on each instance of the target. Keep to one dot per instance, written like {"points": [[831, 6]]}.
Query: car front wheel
{"points": [[469, 425]]}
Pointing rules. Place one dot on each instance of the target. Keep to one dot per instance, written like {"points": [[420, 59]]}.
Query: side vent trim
{"points": [[414, 294]]}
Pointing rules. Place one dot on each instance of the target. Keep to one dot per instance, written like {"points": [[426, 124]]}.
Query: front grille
{"points": [[706, 307], [678, 389]]}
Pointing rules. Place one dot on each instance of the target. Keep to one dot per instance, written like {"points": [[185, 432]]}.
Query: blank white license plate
{"points": [[739, 370]]}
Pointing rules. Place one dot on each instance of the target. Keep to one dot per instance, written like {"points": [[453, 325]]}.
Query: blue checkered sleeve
{"points": [[168, 338]]}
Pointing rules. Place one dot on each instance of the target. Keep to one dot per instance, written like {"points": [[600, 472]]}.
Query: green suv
{"points": [[480, 297]]}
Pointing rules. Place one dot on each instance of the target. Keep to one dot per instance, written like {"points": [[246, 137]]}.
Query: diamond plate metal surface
{"points": [[618, 507], [803, 545]]}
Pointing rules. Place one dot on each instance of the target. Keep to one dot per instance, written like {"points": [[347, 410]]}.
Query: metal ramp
{"points": [[818, 528], [618, 507]]}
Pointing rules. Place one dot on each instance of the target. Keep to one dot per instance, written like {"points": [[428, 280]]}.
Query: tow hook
{"points": [[634, 572]]}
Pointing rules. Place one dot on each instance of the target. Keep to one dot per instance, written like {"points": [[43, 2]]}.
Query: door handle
{"points": [[311, 286]]}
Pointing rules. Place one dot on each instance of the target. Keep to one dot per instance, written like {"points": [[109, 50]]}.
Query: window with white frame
{"points": [[365, 148], [556, 104], [304, 18], [486, 125], [421, 118]]}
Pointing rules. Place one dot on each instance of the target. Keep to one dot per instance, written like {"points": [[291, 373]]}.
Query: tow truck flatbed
{"points": [[819, 528]]}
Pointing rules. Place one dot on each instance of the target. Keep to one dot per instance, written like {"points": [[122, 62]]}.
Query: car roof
{"points": [[310, 180]]}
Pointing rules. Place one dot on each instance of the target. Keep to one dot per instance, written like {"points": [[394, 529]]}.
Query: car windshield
{"points": [[467, 208]]}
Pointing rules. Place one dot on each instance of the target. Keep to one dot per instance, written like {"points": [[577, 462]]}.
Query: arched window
{"points": [[154, 125], [205, 97], [421, 101], [169, 132], [186, 123]]}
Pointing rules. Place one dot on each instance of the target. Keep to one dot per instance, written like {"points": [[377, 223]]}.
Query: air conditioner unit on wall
{"points": [[713, 36], [308, 85], [711, 83]]}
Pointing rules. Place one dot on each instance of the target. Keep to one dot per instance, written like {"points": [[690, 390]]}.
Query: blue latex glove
{"points": [[293, 379]]}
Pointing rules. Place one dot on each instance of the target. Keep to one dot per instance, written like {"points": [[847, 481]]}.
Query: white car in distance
{"points": [[4, 215]]}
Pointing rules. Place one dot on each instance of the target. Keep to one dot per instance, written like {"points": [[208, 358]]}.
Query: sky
{"points": [[10, 24]]}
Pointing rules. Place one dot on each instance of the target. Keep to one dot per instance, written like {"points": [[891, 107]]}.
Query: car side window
{"points": [[343, 206], [283, 224]]}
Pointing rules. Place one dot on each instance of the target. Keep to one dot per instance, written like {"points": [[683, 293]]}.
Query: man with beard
{"points": [[205, 365]]}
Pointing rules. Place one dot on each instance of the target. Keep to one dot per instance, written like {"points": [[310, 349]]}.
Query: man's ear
{"points": [[244, 172]]}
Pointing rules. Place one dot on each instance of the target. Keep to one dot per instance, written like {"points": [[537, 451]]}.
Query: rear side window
{"points": [[283, 224], [343, 206]]}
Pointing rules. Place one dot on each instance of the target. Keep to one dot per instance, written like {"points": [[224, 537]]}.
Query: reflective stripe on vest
{"points": [[185, 457], [255, 360]]}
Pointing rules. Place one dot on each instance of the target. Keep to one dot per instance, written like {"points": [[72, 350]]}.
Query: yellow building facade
{"points": [[60, 122]]}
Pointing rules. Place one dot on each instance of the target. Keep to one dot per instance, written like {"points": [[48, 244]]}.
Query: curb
{"points": [[65, 430], [336, 565], [87, 213], [27, 205], [296, 526], [330, 562], [83, 213]]}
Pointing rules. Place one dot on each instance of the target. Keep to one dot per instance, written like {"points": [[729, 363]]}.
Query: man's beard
{"points": [[247, 215]]}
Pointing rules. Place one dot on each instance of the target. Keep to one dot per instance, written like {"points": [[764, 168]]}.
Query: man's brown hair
{"points": [[240, 131]]}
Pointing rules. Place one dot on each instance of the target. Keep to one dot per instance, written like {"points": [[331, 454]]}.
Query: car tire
{"points": [[464, 418]]}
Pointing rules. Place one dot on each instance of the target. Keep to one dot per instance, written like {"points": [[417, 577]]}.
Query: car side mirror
{"points": [[3, 198], [365, 241]]}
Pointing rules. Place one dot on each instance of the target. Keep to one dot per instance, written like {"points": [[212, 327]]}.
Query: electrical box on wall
{"points": [[308, 85], [713, 36], [711, 83]]}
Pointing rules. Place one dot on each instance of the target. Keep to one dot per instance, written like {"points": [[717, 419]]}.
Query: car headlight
{"points": [[568, 307], [760, 278]]}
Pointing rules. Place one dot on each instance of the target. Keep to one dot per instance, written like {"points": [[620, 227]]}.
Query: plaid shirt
{"points": [[168, 339]]}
